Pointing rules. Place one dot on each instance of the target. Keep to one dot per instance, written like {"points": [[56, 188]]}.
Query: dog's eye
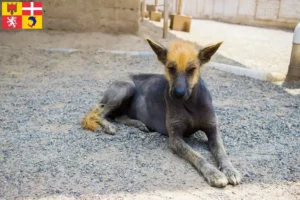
{"points": [[172, 69], [190, 70]]}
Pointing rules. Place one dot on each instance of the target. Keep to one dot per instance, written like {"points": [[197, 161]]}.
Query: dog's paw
{"points": [[143, 127], [216, 178], [110, 129], [234, 177]]}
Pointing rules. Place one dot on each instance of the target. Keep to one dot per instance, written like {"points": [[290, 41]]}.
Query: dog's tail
{"points": [[91, 119]]}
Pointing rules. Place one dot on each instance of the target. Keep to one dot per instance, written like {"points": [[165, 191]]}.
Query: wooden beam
{"points": [[143, 10], [166, 18], [179, 7]]}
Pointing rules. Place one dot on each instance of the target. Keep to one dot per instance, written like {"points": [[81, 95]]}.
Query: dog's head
{"points": [[182, 63]]}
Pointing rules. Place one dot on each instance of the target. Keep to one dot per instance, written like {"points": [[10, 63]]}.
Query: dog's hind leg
{"points": [[94, 118], [114, 99], [124, 119]]}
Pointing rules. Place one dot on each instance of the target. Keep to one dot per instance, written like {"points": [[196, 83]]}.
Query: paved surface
{"points": [[247, 46]]}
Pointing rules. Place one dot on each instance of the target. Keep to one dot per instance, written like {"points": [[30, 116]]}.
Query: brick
{"points": [[208, 7], [247, 8], [231, 8], [107, 3], [58, 10], [150, 8], [267, 9], [107, 13], [181, 23], [290, 9], [218, 7], [131, 4], [155, 16], [127, 15], [127, 26], [146, 14]]}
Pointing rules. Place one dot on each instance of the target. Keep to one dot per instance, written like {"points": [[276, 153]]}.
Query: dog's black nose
{"points": [[179, 92]]}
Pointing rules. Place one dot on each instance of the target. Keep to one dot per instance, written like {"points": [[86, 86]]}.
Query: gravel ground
{"points": [[45, 153], [246, 46]]}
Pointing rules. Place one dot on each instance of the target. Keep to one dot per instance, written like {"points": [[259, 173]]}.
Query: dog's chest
{"points": [[193, 113]]}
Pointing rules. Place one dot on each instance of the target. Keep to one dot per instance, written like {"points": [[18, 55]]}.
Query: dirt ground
{"points": [[45, 154]]}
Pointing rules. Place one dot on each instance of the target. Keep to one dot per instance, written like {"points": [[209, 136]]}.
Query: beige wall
{"points": [[275, 13], [113, 16]]}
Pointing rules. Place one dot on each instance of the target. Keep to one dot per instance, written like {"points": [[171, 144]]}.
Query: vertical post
{"points": [[155, 5], [255, 12], [294, 67], [143, 10], [179, 7], [166, 18]]}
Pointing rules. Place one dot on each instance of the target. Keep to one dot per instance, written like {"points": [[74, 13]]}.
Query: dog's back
{"points": [[148, 104]]}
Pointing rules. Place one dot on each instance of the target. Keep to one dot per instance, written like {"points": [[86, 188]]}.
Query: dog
{"points": [[176, 104]]}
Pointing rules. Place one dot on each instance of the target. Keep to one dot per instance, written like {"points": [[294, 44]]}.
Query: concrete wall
{"points": [[275, 13], [112, 16]]}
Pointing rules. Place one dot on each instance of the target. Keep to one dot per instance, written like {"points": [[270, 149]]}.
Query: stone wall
{"points": [[112, 16]]}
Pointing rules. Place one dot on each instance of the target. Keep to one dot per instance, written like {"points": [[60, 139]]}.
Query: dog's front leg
{"points": [[212, 175], [216, 145]]}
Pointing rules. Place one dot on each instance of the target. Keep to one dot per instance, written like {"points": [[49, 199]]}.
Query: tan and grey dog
{"points": [[176, 104]]}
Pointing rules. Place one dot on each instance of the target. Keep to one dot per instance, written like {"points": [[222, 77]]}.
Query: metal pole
{"points": [[166, 18]]}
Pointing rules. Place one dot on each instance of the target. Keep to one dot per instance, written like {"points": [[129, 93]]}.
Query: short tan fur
{"points": [[182, 53], [182, 57]]}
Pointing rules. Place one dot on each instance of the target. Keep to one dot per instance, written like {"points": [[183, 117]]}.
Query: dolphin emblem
{"points": [[31, 18]]}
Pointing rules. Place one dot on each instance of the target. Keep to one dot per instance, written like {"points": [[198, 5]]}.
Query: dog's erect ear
{"points": [[159, 50], [206, 53]]}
